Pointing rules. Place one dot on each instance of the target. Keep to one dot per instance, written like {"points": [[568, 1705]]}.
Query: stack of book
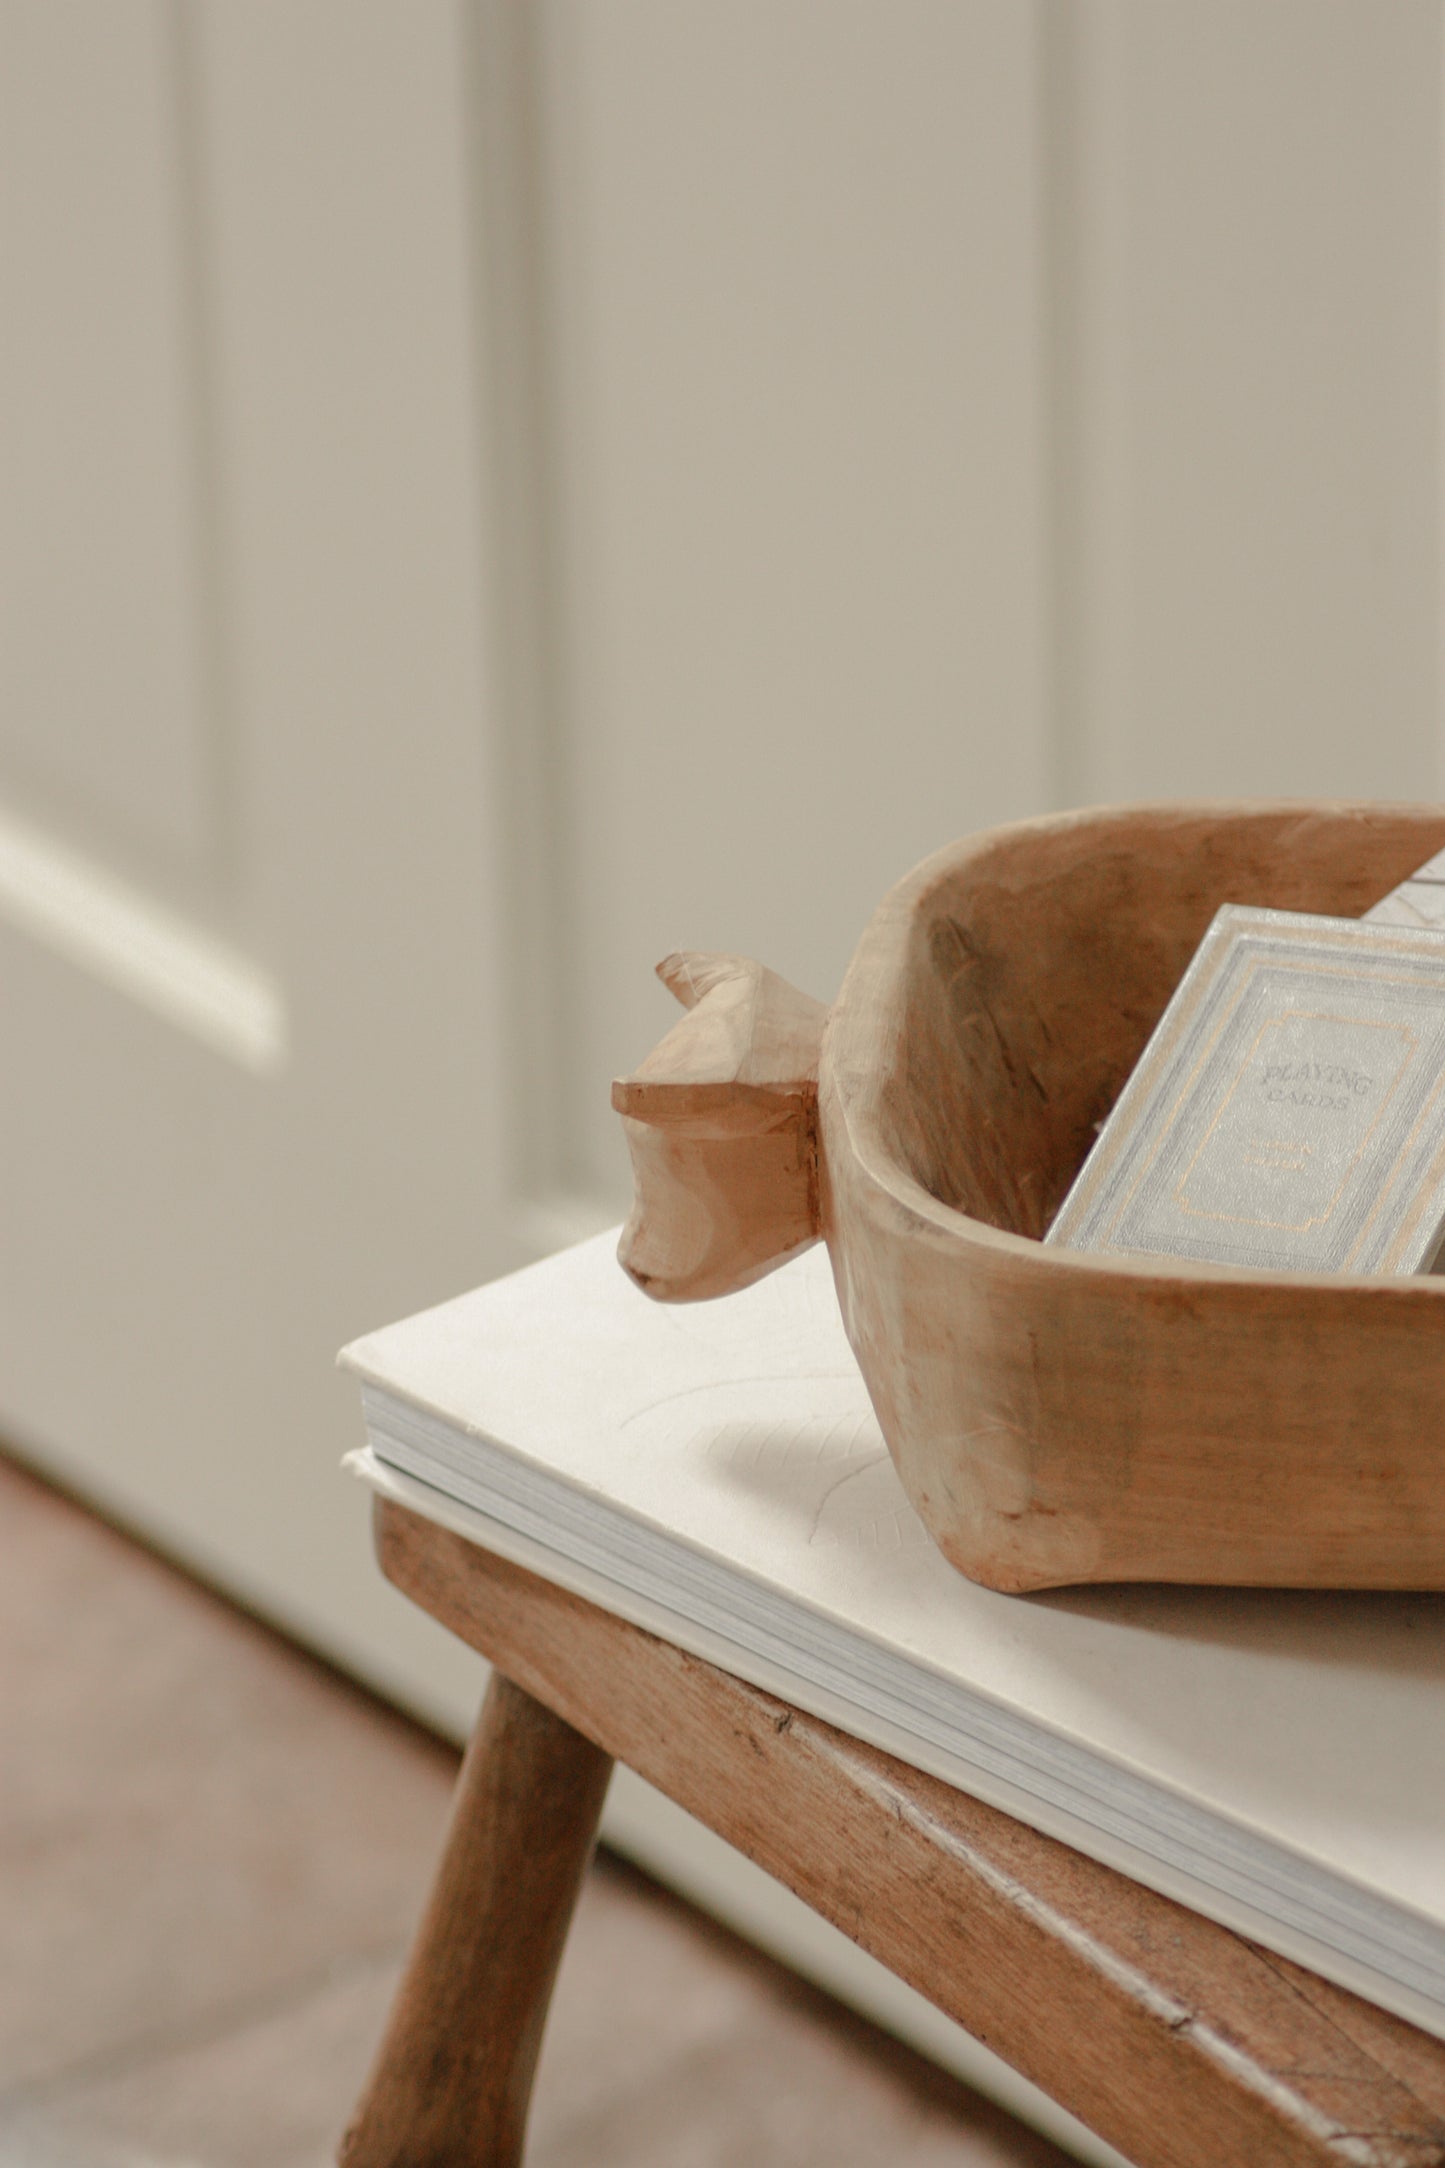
{"points": [[716, 1474]]}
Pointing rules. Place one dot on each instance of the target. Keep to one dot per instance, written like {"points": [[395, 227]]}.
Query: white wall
{"points": [[940, 413]]}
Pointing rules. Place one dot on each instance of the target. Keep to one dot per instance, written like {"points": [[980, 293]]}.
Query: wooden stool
{"points": [[1181, 2043]]}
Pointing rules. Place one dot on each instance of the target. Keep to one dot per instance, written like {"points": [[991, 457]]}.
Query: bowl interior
{"points": [[1037, 960]]}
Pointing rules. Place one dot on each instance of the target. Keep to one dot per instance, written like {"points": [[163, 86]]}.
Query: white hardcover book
{"points": [[715, 1473]]}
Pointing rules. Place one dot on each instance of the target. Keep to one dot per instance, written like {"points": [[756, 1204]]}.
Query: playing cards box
{"points": [[1288, 1111]]}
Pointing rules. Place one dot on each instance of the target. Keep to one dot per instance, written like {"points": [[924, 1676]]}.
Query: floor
{"points": [[211, 1853]]}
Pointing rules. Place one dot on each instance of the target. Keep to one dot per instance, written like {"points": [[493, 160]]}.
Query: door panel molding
{"points": [[110, 713], [140, 948]]}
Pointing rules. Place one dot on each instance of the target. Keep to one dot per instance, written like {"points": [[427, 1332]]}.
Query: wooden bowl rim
{"points": [[850, 1079]]}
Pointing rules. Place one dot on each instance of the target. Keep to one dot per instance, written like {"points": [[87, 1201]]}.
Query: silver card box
{"points": [[1420, 901], [1288, 1111]]}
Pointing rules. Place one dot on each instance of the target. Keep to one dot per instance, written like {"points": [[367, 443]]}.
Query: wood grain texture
{"points": [[721, 1122], [1182, 2044], [1058, 1416], [453, 2077]]}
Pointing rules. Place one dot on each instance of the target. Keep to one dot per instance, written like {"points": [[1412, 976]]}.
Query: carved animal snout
{"points": [[721, 1122]]}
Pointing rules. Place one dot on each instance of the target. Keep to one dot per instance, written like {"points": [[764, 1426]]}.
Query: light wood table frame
{"points": [[1181, 2043]]}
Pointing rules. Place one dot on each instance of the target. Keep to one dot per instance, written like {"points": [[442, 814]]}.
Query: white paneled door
{"points": [[489, 493], [247, 948]]}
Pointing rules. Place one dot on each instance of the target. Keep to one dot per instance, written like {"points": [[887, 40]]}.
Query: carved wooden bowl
{"points": [[1055, 1416]]}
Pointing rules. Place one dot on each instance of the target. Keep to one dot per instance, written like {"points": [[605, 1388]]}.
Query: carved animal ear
{"points": [[721, 1121]]}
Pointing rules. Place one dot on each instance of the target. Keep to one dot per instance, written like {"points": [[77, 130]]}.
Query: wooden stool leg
{"points": [[453, 2076]]}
